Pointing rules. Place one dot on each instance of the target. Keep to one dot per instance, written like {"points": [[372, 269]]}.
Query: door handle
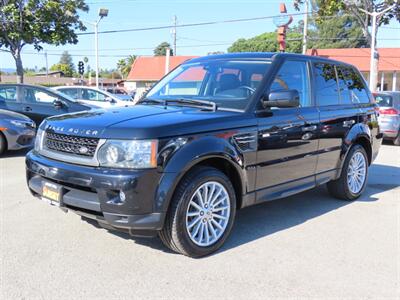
{"points": [[348, 123], [309, 128], [27, 108]]}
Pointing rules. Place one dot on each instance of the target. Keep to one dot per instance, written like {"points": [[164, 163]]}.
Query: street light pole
{"points": [[103, 12], [373, 75], [96, 50]]}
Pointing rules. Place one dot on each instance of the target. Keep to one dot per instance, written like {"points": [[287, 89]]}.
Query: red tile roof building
{"points": [[389, 62], [146, 70]]}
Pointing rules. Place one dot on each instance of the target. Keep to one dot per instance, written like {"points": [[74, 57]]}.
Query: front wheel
{"points": [[3, 144], [201, 214], [353, 178]]}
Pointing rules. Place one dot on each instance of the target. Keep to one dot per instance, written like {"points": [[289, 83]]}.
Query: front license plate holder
{"points": [[52, 193]]}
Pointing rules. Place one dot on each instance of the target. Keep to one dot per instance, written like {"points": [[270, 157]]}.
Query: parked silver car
{"points": [[389, 115], [16, 131]]}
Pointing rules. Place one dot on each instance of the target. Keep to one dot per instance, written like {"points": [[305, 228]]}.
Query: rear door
{"points": [[338, 114], [287, 137]]}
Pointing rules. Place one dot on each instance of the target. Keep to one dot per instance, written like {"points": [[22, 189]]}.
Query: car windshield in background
{"points": [[228, 83], [384, 100]]}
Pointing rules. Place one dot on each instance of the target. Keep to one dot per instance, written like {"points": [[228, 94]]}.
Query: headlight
{"points": [[22, 123], [39, 140], [128, 154]]}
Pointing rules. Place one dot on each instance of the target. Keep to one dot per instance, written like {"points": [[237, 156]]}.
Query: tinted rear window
{"points": [[384, 100], [326, 86], [355, 84]]}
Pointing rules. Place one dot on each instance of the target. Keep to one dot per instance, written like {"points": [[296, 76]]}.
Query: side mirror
{"points": [[58, 104], [111, 100], [282, 98]]}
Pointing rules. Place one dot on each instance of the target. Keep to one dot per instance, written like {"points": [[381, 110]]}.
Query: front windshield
{"points": [[230, 84], [63, 95]]}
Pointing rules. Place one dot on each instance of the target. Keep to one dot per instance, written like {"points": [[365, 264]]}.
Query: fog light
{"points": [[122, 196]]}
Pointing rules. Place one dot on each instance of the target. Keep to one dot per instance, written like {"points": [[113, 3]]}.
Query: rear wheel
{"points": [[3, 144], [201, 213], [396, 141], [353, 178]]}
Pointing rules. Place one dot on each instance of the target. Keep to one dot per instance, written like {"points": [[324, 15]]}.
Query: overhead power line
{"points": [[188, 24]]}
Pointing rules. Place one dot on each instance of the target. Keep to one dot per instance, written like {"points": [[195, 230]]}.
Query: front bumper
{"points": [[94, 192], [19, 139]]}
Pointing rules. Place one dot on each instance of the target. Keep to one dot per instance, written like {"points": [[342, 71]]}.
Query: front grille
{"points": [[81, 146]]}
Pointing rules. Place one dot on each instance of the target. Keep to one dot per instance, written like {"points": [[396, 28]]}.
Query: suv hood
{"points": [[144, 122]]}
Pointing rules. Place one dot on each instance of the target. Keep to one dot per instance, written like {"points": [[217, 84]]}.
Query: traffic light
{"points": [[81, 68]]}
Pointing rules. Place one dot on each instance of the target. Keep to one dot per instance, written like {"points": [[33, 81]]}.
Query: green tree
{"points": [[66, 59], [161, 50], [267, 42], [339, 32], [124, 65], [65, 68], [328, 8], [36, 22]]}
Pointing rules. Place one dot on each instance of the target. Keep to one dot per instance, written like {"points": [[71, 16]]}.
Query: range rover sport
{"points": [[215, 135]]}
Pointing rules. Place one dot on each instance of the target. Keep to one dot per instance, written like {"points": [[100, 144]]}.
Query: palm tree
{"points": [[124, 65]]}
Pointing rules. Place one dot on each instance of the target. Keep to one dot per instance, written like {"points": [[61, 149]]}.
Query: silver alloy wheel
{"points": [[208, 212], [356, 172]]}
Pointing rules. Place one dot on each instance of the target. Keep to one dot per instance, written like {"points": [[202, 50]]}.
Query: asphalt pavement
{"points": [[308, 245]]}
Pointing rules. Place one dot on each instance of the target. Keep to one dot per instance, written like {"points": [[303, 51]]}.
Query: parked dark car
{"points": [[389, 115], [217, 134], [16, 131], [37, 102]]}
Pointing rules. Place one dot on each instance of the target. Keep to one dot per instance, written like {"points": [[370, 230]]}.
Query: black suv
{"points": [[217, 134]]}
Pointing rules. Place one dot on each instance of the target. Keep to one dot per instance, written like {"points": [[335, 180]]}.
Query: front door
{"points": [[288, 137], [38, 104]]}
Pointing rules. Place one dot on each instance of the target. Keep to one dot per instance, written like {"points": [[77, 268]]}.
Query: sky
{"points": [[127, 14]]}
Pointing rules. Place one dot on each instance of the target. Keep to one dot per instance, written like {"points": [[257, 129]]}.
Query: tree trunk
{"points": [[18, 64]]}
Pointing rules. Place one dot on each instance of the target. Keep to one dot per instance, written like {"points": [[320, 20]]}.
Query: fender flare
{"points": [[359, 132], [189, 155]]}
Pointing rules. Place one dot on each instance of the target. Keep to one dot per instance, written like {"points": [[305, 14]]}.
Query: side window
{"points": [[92, 95], [355, 85], [293, 75], [345, 96], [32, 95], [73, 93], [326, 86], [8, 94]]}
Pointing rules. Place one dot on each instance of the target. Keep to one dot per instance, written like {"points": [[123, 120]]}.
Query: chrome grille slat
{"points": [[71, 144]]}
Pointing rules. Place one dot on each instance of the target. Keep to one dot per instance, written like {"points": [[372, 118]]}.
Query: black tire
{"points": [[396, 141], [339, 188], [174, 234], [3, 144]]}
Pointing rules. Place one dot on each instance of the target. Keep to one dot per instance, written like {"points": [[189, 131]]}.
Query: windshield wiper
{"points": [[148, 100], [192, 103], [182, 101]]}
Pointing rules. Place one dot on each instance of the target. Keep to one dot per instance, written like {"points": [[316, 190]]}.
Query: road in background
{"points": [[307, 245]]}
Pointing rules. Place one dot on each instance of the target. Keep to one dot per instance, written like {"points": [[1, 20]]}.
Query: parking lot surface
{"points": [[307, 245]]}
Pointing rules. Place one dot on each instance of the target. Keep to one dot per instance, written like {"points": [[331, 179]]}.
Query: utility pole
{"points": [[174, 34], [373, 70], [305, 26]]}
